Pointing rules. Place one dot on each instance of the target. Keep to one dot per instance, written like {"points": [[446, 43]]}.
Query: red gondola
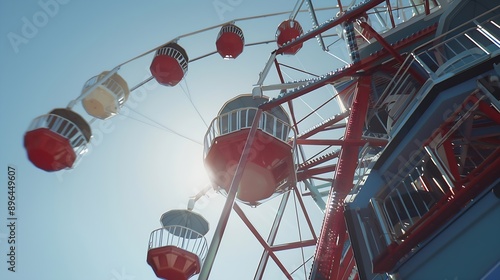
{"points": [[178, 249], [287, 31], [170, 64], [270, 170], [56, 140], [230, 41]]}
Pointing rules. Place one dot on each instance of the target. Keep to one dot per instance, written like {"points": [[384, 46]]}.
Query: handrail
{"points": [[174, 53], [111, 85], [367, 155], [181, 237], [63, 127], [242, 118], [433, 185], [437, 58]]}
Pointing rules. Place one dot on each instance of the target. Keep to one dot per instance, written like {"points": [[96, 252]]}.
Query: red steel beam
{"points": [[308, 173], [351, 70], [317, 161], [332, 236], [341, 9], [341, 142], [325, 125], [261, 240], [382, 41], [306, 216], [348, 71], [390, 49], [489, 111], [278, 69], [347, 264], [293, 245], [389, 9]]}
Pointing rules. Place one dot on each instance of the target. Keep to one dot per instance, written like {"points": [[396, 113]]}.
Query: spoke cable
{"points": [[187, 92], [159, 125]]}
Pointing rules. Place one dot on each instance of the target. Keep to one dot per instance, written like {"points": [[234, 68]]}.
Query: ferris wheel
{"points": [[256, 148]]}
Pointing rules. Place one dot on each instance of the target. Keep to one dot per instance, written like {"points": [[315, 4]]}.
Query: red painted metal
{"points": [[294, 245], [489, 111], [165, 68], [388, 47], [171, 262], [347, 265], [319, 107], [446, 208], [287, 32], [464, 190], [278, 70], [341, 142], [402, 44], [333, 241], [307, 170], [332, 237], [324, 125], [48, 150], [391, 15], [230, 41], [270, 249], [310, 172], [261, 240], [317, 161], [334, 214], [271, 238], [349, 71], [303, 207], [269, 163], [365, 65], [229, 204], [345, 17], [382, 41], [341, 8]]}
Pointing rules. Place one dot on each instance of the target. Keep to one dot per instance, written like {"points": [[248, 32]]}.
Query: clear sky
{"points": [[93, 222]]}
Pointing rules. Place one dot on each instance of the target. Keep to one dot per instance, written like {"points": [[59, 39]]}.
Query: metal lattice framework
{"points": [[341, 142]]}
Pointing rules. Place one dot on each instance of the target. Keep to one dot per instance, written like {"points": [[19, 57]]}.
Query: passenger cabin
{"points": [[55, 141], [107, 98], [270, 167], [177, 249], [230, 41], [170, 64]]}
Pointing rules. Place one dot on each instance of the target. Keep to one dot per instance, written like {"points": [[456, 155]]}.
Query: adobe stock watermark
{"points": [[31, 25], [223, 6], [122, 275], [417, 152]]}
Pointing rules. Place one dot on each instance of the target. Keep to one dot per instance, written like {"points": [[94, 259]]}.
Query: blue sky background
{"points": [[93, 222]]}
